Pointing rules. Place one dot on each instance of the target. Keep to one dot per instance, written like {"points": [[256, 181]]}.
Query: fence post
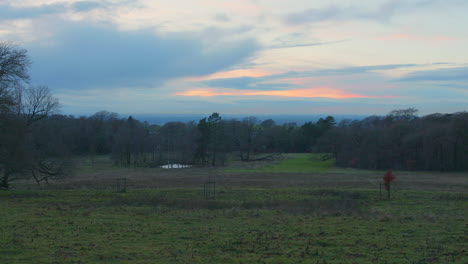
{"points": [[388, 191], [122, 185], [380, 185]]}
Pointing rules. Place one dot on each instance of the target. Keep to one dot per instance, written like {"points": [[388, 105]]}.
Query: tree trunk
{"points": [[4, 183], [35, 178], [213, 160]]}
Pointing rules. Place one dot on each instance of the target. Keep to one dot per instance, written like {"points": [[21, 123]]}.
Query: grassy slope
{"points": [[242, 225]]}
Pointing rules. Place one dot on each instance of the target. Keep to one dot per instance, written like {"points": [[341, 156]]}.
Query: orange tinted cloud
{"points": [[317, 92], [231, 74], [297, 81], [302, 93]]}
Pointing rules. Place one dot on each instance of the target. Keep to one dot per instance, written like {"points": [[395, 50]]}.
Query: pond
{"points": [[175, 166]]}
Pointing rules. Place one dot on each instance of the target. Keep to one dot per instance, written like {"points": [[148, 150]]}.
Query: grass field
{"points": [[290, 163], [257, 217]]}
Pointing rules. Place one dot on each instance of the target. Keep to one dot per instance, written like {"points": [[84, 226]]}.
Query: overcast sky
{"points": [[245, 56]]}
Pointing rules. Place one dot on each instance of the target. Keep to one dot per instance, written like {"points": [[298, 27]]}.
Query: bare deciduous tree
{"points": [[20, 109], [14, 64], [38, 103]]}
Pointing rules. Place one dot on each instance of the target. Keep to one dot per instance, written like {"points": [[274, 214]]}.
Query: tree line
{"points": [[37, 142], [400, 140]]}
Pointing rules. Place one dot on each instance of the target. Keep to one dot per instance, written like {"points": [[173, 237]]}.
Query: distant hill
{"points": [[160, 119]]}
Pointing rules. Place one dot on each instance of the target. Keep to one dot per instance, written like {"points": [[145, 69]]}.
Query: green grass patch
{"points": [[292, 163]]}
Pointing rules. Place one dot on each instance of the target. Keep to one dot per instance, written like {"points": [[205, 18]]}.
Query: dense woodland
{"points": [[399, 140], [37, 142]]}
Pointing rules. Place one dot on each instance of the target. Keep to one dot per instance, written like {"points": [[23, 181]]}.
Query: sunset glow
{"points": [[304, 93]]}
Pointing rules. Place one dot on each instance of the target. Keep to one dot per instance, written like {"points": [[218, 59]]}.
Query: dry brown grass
{"points": [[102, 175], [195, 177]]}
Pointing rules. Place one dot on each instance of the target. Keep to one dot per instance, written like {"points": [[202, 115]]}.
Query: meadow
{"points": [[286, 163], [281, 211]]}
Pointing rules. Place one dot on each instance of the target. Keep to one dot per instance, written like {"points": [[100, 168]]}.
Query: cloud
{"points": [[244, 83], [438, 75], [222, 18], [417, 37], [298, 45], [348, 70], [337, 71], [8, 12], [383, 13], [264, 82], [314, 15], [88, 56], [85, 6]]}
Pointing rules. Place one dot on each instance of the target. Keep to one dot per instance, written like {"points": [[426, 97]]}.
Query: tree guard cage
{"points": [[209, 190]]}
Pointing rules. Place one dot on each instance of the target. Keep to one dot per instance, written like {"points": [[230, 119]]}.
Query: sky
{"points": [[245, 57]]}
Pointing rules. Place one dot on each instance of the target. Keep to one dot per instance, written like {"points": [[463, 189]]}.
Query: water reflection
{"points": [[175, 166]]}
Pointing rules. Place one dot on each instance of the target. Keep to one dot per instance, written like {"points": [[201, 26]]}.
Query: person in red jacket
{"points": [[388, 177]]}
